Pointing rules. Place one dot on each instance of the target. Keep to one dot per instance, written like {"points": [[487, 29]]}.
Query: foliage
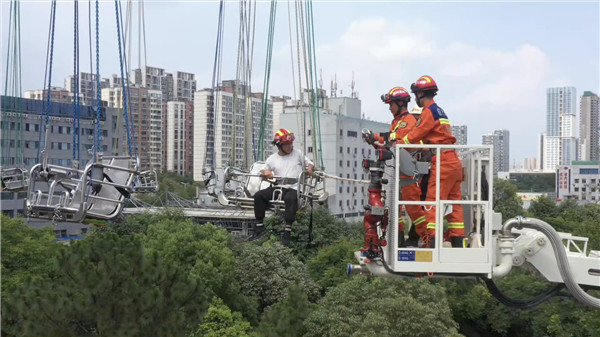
{"points": [[27, 255], [138, 223], [107, 285], [286, 319], [367, 306], [182, 185], [543, 208], [219, 321], [267, 271], [326, 228], [204, 252], [329, 266], [506, 200]]}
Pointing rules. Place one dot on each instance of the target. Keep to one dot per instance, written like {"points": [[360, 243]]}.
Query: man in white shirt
{"points": [[287, 164]]}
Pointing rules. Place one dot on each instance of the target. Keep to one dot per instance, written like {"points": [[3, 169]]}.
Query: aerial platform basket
{"points": [[14, 179]]}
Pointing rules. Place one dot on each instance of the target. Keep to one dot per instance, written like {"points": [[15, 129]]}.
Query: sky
{"points": [[492, 60]]}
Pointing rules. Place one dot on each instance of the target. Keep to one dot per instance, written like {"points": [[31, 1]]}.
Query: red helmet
{"points": [[424, 83], [283, 136], [396, 94]]}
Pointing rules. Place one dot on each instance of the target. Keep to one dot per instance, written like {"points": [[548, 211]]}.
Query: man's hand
{"points": [[310, 169], [266, 173]]}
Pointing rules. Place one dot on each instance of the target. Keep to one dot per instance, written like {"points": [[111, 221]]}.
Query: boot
{"points": [[401, 240], [458, 242], [285, 237], [259, 231]]}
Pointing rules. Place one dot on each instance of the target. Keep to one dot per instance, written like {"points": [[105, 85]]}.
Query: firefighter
{"points": [[287, 164], [398, 99], [434, 128]]}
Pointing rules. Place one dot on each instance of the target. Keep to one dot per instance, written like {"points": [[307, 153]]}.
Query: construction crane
{"points": [[492, 248]]}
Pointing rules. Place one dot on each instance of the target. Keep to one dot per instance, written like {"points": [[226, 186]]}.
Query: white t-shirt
{"points": [[288, 166]]}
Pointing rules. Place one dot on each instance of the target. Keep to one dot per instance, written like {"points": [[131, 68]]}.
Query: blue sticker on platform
{"points": [[406, 255]]}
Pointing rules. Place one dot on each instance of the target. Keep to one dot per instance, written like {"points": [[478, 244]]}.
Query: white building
{"points": [[579, 181], [225, 135], [589, 126], [184, 86], [342, 150], [459, 131], [86, 83], [145, 113], [560, 144], [177, 155], [500, 141]]}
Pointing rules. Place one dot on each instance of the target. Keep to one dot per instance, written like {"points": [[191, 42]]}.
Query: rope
{"points": [[327, 175], [265, 103], [97, 128], [49, 67], [127, 102], [76, 98], [216, 78], [123, 79]]}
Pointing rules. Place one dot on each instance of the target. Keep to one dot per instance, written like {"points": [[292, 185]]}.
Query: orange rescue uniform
{"points": [[434, 128], [400, 126]]}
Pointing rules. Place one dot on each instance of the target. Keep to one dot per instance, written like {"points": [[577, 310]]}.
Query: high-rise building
{"points": [[145, 113], [57, 94], [459, 131], [589, 127], [342, 150], [561, 115], [500, 141], [225, 135], [86, 86], [184, 86], [178, 144]]}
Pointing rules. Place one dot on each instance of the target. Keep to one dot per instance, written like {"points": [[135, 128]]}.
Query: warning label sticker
{"points": [[416, 256]]}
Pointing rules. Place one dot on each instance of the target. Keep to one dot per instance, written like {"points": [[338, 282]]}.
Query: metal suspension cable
{"points": [[315, 110], [250, 148], [13, 88], [216, 79], [128, 114], [98, 132], [123, 78], [76, 98], [48, 106], [265, 101]]}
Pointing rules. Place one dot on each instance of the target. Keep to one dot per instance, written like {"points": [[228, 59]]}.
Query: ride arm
{"points": [[539, 246]]}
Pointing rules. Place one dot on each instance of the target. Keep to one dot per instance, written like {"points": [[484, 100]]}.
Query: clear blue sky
{"points": [[493, 60]]}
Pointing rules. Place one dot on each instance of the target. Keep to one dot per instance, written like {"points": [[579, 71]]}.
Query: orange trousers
{"points": [[451, 176], [412, 192]]}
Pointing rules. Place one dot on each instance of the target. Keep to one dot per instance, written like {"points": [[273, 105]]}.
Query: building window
{"points": [[348, 189], [309, 132], [341, 132], [310, 149], [341, 149], [340, 189], [348, 150], [341, 163], [348, 163], [352, 134]]}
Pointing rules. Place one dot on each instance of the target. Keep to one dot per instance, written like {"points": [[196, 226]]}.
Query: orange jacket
{"points": [[432, 128], [401, 125]]}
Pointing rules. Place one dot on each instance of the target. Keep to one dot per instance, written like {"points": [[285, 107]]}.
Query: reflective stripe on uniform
{"points": [[456, 225], [431, 225], [419, 220], [393, 136], [405, 139], [444, 121]]}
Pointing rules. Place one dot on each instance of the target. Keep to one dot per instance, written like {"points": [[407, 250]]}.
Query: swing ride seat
{"points": [[100, 191], [239, 187], [145, 182], [14, 179]]}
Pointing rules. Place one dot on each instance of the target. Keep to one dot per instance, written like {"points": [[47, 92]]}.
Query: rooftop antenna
{"points": [[334, 86], [353, 93]]}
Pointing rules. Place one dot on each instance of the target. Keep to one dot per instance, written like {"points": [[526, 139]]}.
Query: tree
{"points": [[267, 271], [329, 266], [219, 321], [326, 228], [543, 208], [366, 306], [27, 255], [204, 252], [506, 200], [286, 319], [107, 285]]}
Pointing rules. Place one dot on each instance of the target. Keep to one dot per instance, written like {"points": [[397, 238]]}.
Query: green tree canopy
{"points": [[366, 306], [329, 266], [286, 319], [506, 200], [220, 321], [107, 285], [267, 271]]}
